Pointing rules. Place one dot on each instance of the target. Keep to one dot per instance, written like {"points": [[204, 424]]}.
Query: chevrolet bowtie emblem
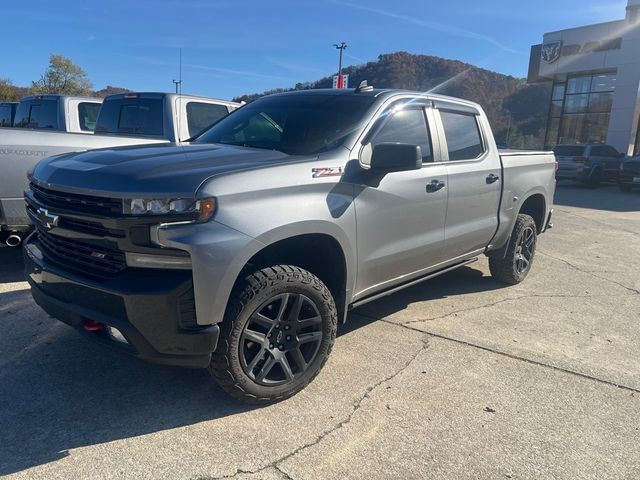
{"points": [[47, 219]]}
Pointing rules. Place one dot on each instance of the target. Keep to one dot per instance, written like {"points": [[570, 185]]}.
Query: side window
{"points": [[461, 130], [5, 115], [407, 126], [88, 114], [604, 151], [201, 115]]}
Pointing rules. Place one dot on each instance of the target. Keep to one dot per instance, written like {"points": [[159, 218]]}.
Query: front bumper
{"points": [[145, 305]]}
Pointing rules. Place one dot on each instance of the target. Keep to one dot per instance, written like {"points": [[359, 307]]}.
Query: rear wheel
{"points": [[515, 265], [277, 334], [594, 178]]}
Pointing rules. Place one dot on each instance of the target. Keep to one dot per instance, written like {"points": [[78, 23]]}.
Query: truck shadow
{"points": [[59, 391], [606, 197], [11, 265]]}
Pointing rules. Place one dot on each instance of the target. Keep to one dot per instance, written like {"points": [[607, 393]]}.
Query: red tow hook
{"points": [[92, 326]]}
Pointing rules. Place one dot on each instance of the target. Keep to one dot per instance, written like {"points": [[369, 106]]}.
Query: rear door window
{"points": [[39, 114], [407, 126], [462, 133], [88, 115], [200, 116], [132, 116]]}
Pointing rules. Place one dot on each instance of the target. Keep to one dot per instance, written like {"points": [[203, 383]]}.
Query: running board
{"points": [[410, 284]]}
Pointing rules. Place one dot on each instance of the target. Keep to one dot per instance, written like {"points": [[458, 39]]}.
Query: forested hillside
{"points": [[513, 107]]}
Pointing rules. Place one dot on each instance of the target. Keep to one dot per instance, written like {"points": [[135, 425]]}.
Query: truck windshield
{"points": [[295, 124]]}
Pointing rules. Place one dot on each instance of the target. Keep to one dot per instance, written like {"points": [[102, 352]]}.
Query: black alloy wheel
{"points": [[281, 339]]}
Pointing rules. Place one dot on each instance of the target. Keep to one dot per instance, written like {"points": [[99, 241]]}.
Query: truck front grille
{"points": [[81, 257], [76, 202]]}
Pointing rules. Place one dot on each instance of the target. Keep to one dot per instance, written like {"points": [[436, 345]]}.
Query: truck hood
{"points": [[151, 170]]}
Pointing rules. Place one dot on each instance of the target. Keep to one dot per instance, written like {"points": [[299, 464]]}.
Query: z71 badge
{"points": [[326, 172]]}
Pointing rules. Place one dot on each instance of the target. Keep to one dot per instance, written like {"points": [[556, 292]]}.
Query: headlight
{"points": [[199, 210]]}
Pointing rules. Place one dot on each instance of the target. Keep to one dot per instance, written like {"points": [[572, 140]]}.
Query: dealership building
{"points": [[595, 73]]}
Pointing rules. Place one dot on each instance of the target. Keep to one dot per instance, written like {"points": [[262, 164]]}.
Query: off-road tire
{"points": [[250, 293], [506, 269]]}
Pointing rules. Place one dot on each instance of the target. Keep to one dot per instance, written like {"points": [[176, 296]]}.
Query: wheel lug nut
{"points": [[287, 327], [271, 345], [288, 337], [269, 336], [281, 347]]}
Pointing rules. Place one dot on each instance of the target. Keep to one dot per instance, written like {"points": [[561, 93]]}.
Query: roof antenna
{"points": [[364, 87], [178, 84]]}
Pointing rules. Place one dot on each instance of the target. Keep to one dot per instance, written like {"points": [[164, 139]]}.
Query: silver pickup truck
{"points": [[124, 119], [242, 250]]}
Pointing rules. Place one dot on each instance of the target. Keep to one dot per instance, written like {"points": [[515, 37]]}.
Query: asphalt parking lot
{"points": [[459, 377]]}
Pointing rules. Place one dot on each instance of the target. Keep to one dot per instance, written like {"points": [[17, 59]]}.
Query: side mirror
{"points": [[396, 157]]}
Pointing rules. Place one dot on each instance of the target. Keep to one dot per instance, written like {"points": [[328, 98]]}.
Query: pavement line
{"points": [[506, 354]]}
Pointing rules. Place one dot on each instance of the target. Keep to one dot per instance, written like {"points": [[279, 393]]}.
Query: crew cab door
{"points": [[400, 215], [607, 158], [474, 179]]}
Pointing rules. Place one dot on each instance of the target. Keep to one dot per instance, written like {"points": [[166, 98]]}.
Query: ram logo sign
{"points": [[551, 51]]}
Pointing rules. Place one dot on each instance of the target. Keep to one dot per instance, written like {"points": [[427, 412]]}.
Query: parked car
{"points": [[241, 250], [7, 113], [124, 119], [629, 174], [60, 113], [589, 164]]}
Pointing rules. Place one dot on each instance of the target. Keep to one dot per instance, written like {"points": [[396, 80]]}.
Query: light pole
{"points": [[340, 47]]}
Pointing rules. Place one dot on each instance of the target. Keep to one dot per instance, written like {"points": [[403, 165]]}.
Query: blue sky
{"points": [[235, 47]]}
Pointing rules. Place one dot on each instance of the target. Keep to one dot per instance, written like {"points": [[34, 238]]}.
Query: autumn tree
{"points": [[7, 90], [64, 77]]}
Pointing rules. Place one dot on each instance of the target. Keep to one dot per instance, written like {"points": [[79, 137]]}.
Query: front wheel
{"points": [[515, 265], [278, 331]]}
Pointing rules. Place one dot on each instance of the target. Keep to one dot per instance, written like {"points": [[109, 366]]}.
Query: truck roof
{"points": [[169, 95], [53, 96], [378, 92]]}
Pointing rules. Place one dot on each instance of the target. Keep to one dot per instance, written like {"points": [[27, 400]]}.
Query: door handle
{"points": [[491, 178], [434, 186]]}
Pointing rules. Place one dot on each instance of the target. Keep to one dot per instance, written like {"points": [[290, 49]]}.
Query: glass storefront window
{"points": [[605, 82], [576, 103], [579, 85], [579, 112], [558, 92], [596, 126], [556, 108], [571, 129], [600, 102], [552, 132]]}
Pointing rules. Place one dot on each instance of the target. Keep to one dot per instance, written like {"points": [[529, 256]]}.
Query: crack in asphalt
{"points": [[575, 267], [488, 305], [505, 354], [356, 407]]}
